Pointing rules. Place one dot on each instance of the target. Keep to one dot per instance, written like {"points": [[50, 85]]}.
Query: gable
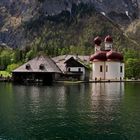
{"points": [[73, 63]]}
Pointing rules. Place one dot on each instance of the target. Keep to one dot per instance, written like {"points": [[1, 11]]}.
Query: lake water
{"points": [[101, 111]]}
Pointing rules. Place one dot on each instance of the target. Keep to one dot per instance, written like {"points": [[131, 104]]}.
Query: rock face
{"points": [[14, 13]]}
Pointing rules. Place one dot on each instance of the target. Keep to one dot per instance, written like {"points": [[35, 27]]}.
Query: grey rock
{"points": [[14, 13]]}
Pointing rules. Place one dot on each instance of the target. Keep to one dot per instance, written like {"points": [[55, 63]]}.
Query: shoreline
{"points": [[93, 81], [77, 82]]}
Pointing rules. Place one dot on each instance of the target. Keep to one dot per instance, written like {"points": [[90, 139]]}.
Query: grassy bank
{"points": [[5, 74]]}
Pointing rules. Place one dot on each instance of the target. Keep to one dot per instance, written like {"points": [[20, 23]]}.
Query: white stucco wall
{"points": [[113, 71], [96, 74], [122, 75]]}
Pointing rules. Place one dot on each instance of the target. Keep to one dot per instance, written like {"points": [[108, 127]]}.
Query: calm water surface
{"points": [[107, 111]]}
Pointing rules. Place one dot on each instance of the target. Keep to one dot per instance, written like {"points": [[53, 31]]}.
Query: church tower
{"points": [[108, 43], [97, 42]]}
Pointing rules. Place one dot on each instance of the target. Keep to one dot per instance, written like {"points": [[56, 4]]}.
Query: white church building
{"points": [[107, 64]]}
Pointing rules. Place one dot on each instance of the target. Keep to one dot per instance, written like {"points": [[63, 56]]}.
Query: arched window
{"points": [[101, 68], [121, 69], [106, 68]]}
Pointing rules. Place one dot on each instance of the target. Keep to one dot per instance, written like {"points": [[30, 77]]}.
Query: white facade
{"points": [[114, 70], [107, 70], [98, 70]]}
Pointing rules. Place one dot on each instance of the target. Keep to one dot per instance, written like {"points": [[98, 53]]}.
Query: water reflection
{"points": [[107, 94], [82, 111], [108, 88]]}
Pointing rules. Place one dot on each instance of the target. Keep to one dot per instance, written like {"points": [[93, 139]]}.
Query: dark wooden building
{"points": [[40, 69]]}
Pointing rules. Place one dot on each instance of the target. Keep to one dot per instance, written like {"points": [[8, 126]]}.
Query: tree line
{"points": [[13, 58]]}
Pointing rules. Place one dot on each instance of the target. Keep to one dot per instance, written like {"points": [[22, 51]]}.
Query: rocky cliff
{"points": [[17, 16]]}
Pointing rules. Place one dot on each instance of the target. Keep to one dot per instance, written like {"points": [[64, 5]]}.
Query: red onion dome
{"points": [[108, 39], [115, 56], [98, 56], [97, 40]]}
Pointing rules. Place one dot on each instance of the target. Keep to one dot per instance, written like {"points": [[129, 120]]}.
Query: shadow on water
{"points": [[97, 111]]}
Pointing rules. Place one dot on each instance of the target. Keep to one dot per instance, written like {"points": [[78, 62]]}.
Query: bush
{"points": [[11, 67]]}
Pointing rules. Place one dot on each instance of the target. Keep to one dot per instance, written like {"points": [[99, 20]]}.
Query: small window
{"points": [[101, 68], [79, 69], [121, 69], [41, 67], [28, 66], [68, 69], [106, 68]]}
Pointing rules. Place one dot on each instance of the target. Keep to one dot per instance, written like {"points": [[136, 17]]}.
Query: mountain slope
{"points": [[133, 31], [57, 24], [76, 35]]}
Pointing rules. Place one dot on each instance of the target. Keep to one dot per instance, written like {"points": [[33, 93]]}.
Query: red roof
{"points": [[99, 56], [106, 56], [116, 56], [108, 39], [97, 40]]}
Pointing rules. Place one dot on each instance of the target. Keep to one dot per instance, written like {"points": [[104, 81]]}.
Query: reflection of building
{"points": [[39, 69], [111, 90], [106, 97], [107, 64]]}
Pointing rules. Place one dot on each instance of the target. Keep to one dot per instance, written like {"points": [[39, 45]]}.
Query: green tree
{"points": [[5, 58], [131, 54], [11, 67], [132, 68], [30, 55]]}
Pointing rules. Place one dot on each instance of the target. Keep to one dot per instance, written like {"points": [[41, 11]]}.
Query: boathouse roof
{"points": [[39, 64], [72, 62]]}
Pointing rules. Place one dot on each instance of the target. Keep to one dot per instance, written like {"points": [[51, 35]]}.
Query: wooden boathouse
{"points": [[77, 69], [74, 67], [40, 69]]}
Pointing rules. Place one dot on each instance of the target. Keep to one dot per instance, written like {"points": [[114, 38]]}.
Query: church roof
{"points": [[116, 56], [106, 56], [108, 39], [99, 56], [97, 40]]}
